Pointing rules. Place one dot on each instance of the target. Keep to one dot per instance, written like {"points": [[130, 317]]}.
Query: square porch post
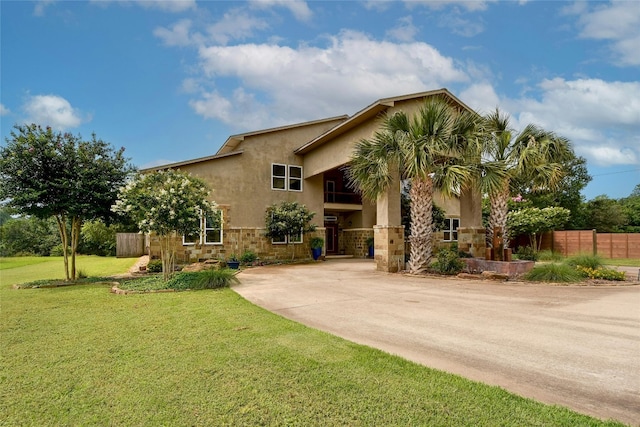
{"points": [[388, 233]]}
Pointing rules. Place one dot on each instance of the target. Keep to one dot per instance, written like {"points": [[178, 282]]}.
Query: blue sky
{"points": [[171, 80]]}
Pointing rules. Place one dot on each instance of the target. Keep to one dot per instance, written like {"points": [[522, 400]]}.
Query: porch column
{"points": [[471, 234], [388, 233]]}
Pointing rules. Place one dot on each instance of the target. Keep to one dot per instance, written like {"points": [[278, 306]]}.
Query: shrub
{"points": [[560, 273], [316, 242], [601, 273], [154, 266], [590, 261], [448, 262], [527, 253], [370, 241], [548, 255], [206, 279], [57, 250], [248, 257]]}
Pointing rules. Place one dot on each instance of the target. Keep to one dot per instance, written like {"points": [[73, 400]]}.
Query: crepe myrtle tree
{"points": [[535, 221], [286, 221], [169, 203], [47, 174]]}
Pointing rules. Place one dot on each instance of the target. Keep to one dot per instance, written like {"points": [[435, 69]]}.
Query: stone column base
{"points": [[472, 240], [389, 248]]}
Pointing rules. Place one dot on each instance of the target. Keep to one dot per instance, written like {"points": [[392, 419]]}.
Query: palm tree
{"points": [[426, 149], [534, 156]]}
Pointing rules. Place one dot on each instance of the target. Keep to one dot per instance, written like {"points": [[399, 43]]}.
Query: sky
{"points": [[172, 80]]}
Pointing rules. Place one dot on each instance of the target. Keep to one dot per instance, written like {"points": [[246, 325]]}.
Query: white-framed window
{"points": [[294, 238], [193, 238], [279, 240], [213, 228], [209, 231], [295, 178], [278, 176], [286, 177], [451, 229]]}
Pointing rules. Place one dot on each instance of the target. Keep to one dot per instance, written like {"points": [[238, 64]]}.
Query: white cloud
{"points": [[177, 35], [4, 110], [40, 6], [609, 155], [601, 118], [52, 110], [461, 26], [310, 82], [470, 5], [172, 6], [405, 31], [235, 25], [298, 8], [481, 97], [618, 22]]}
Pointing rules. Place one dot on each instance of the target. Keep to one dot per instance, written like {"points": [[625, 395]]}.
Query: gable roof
{"points": [[234, 140], [371, 112], [189, 162]]}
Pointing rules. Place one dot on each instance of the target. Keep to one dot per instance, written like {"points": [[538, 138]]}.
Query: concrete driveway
{"points": [[574, 346]]}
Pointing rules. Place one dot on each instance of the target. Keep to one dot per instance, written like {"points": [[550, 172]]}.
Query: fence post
{"points": [[595, 242]]}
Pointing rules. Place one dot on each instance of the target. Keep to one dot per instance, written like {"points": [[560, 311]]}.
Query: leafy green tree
{"points": [[631, 208], [288, 221], [50, 174], [168, 203], [98, 238], [535, 221], [427, 149], [566, 195], [605, 215], [28, 235], [4, 215], [534, 159]]}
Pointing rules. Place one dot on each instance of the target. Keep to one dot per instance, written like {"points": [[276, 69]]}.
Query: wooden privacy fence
{"points": [[606, 245], [130, 245]]}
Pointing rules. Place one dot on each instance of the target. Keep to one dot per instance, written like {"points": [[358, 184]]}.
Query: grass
{"points": [[584, 260], [628, 262], [206, 279], [552, 272], [28, 269], [81, 356]]}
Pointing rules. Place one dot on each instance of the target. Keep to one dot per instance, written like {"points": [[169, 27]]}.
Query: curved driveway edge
{"points": [[574, 346]]}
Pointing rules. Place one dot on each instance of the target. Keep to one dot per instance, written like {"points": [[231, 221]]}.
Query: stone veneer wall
{"points": [[237, 240], [355, 241], [472, 240], [389, 248]]}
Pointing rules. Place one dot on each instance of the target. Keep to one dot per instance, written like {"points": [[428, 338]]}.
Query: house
{"points": [[305, 163]]}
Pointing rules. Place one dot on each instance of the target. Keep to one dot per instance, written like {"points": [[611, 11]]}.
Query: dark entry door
{"points": [[332, 238]]}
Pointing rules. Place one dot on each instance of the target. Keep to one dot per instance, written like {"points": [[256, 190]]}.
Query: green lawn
{"points": [[27, 269], [629, 262], [79, 355]]}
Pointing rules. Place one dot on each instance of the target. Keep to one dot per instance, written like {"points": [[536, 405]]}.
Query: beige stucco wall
{"points": [[243, 181]]}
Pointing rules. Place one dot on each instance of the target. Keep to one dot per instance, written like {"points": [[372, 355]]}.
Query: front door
{"points": [[332, 239]]}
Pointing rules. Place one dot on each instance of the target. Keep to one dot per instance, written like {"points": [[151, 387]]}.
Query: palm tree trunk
{"points": [[421, 195], [498, 215]]}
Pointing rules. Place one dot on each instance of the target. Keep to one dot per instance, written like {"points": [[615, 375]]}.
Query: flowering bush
{"points": [[601, 273], [168, 203]]}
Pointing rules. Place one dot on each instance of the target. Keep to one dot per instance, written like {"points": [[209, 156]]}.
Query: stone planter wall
{"points": [[512, 269]]}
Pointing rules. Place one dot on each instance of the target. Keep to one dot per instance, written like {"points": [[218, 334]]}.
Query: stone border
{"points": [[116, 290]]}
